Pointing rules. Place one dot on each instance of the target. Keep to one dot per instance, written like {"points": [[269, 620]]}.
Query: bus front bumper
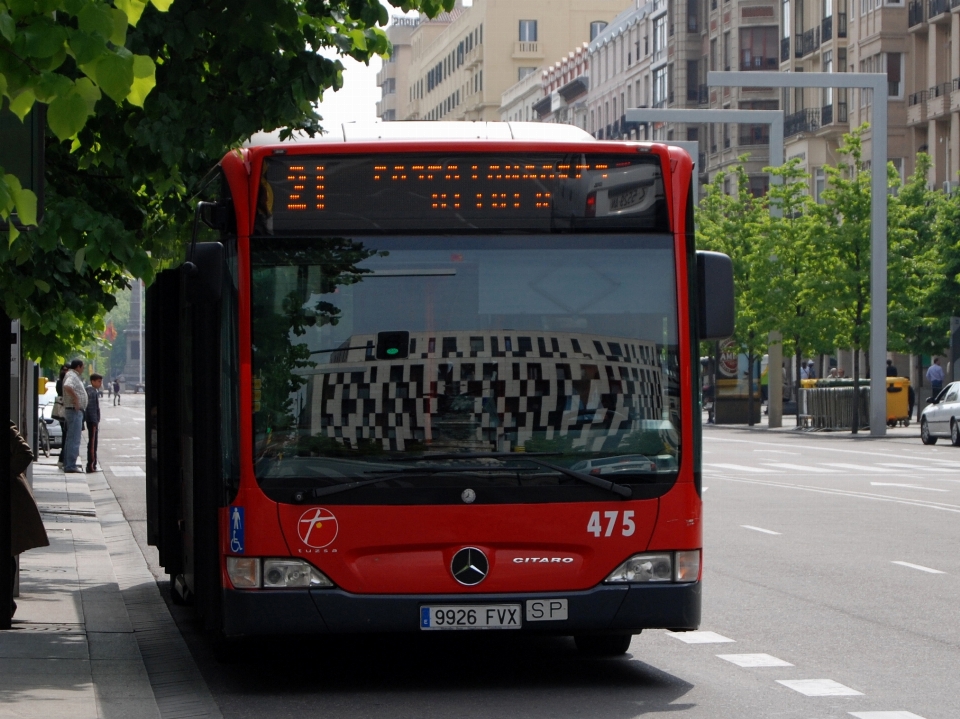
{"points": [[604, 609]]}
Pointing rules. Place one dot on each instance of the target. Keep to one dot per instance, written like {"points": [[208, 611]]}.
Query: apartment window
{"points": [[759, 184], [785, 18], [827, 64], [894, 75], [660, 38], [759, 48], [528, 31], [713, 54], [524, 71], [596, 27], [726, 51], [389, 86], [819, 184], [660, 87]]}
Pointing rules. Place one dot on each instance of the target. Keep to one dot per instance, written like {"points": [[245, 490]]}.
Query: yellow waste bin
{"points": [[898, 401]]}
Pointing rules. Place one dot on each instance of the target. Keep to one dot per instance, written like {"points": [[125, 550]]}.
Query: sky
{"points": [[357, 100]]}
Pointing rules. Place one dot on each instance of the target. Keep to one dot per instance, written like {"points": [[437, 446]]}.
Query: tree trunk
{"points": [[749, 388], [796, 378], [856, 390]]}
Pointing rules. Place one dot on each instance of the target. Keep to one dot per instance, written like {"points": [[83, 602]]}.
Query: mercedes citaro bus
{"points": [[436, 376]]}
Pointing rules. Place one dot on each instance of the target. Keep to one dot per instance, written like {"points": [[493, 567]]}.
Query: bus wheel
{"points": [[603, 645]]}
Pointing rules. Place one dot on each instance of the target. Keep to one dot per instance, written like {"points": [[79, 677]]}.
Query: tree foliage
{"points": [[125, 157]]}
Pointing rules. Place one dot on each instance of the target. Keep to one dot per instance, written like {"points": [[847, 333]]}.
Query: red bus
{"points": [[433, 376]]}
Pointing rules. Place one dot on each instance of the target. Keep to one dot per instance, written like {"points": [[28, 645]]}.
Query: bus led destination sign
{"points": [[308, 195]]}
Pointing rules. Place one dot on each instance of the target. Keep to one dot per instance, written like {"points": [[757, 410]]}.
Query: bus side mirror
{"points": [[204, 273], [716, 311]]}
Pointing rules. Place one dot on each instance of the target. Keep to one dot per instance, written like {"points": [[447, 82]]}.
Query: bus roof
{"points": [[503, 131]]}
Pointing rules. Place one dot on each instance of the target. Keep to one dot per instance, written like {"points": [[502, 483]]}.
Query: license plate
{"points": [[625, 199], [470, 616], [546, 610]]}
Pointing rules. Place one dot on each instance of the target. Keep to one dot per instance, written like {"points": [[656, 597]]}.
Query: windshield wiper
{"points": [[618, 489]]}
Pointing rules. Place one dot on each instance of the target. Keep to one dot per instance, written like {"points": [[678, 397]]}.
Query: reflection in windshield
{"points": [[370, 352]]}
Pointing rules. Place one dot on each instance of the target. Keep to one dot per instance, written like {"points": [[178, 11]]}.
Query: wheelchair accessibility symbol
{"points": [[236, 530]]}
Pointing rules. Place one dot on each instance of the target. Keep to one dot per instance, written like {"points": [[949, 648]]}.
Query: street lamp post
{"points": [[878, 203]]}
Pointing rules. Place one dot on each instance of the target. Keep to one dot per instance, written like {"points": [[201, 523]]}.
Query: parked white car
{"points": [[941, 417]]}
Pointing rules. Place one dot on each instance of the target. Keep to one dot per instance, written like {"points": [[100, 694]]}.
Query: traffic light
{"points": [[393, 345]]}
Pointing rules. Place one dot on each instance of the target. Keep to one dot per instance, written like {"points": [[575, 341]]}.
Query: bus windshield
{"points": [[408, 368]]}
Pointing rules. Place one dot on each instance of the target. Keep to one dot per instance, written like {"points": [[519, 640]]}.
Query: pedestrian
{"points": [[74, 404], [935, 375], [116, 392], [27, 530], [891, 369], [60, 420], [91, 417], [811, 370], [804, 373], [109, 390]]}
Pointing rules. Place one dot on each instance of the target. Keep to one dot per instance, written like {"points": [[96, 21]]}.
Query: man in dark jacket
{"points": [[27, 531], [91, 416]]}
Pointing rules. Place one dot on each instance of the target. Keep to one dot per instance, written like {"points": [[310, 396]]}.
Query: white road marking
{"points": [[908, 486], [801, 468], [819, 687], [857, 467], [737, 468], [920, 567], [848, 493], [759, 529], [126, 471], [872, 454], [705, 489], [749, 661], [885, 715], [700, 637], [111, 419], [777, 451], [914, 467]]}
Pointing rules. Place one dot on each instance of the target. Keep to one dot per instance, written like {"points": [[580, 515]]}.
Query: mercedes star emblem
{"points": [[468, 495], [469, 566]]}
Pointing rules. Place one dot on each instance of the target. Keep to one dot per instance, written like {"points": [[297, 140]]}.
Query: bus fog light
{"points": [[688, 566], [244, 572], [290, 573], [644, 568]]}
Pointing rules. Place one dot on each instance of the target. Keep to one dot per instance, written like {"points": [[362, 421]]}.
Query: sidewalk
{"points": [[92, 637], [789, 426]]}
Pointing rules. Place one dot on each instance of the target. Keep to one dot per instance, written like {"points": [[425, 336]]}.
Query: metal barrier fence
{"points": [[832, 407]]}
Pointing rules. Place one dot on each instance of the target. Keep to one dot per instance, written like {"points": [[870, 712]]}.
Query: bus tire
{"points": [[603, 645]]}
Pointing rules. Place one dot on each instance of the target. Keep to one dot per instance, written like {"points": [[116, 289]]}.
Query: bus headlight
{"points": [[291, 573], [658, 567]]}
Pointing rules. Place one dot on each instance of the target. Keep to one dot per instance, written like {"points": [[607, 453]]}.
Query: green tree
{"points": [[915, 237], [794, 287], [125, 158], [734, 224], [844, 249]]}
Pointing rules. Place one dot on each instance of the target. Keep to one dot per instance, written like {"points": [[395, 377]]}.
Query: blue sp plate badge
{"points": [[237, 542]]}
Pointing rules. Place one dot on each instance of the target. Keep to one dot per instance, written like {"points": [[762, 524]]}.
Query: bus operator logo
{"points": [[317, 528]]}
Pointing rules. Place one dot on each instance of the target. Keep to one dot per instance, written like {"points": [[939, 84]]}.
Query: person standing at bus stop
{"points": [[116, 392], [91, 417], [74, 403], [935, 375]]}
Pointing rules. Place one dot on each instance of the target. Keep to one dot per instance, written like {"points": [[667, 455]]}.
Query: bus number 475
{"points": [[596, 525]]}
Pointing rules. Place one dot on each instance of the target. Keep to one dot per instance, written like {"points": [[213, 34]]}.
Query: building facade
{"points": [[461, 64]]}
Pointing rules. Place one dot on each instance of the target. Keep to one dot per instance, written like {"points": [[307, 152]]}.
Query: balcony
{"points": [[474, 57], [841, 24], [938, 7], [917, 108], [803, 121], [704, 95], [828, 116], [785, 49], [525, 50], [760, 135], [955, 95], [826, 29], [694, 26], [954, 3], [915, 13], [808, 42], [937, 101]]}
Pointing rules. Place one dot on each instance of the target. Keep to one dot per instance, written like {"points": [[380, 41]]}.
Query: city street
{"points": [[830, 587]]}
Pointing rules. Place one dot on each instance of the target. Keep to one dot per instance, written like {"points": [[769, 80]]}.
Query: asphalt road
{"points": [[831, 589]]}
